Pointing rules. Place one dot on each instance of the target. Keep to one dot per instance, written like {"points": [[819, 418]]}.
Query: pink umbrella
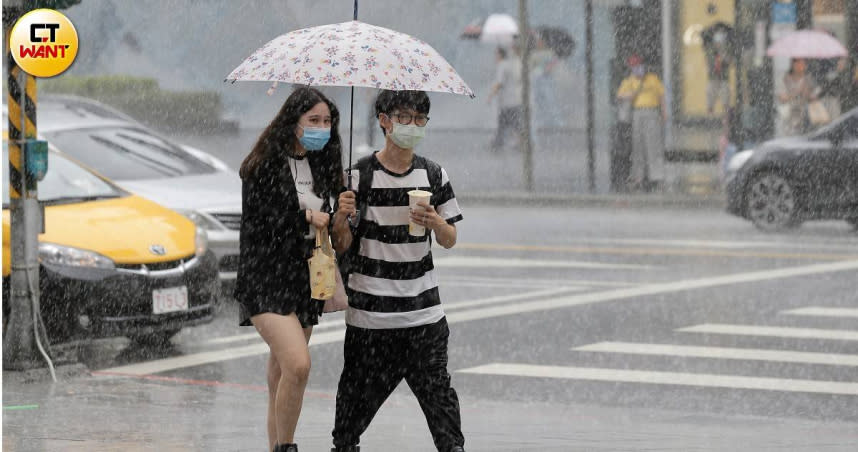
{"points": [[807, 44]]}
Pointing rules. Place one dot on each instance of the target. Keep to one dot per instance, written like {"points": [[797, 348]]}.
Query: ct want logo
{"points": [[44, 43]]}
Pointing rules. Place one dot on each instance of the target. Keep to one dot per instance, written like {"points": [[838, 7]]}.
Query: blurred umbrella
{"points": [[558, 40], [807, 44], [472, 30], [497, 29], [351, 54]]}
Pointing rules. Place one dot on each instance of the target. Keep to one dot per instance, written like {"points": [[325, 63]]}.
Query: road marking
{"points": [[725, 244], [666, 378], [817, 311], [772, 331], [20, 407], [504, 298], [198, 359], [447, 308], [832, 359], [652, 289], [549, 304], [499, 284], [491, 262], [652, 251], [539, 282]]}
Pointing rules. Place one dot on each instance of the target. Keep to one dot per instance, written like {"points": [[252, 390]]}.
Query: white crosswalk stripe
{"points": [[666, 378], [751, 354], [773, 331], [817, 311]]}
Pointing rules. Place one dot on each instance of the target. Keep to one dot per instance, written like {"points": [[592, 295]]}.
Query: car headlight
{"points": [[66, 256], [201, 241], [200, 219], [739, 160]]}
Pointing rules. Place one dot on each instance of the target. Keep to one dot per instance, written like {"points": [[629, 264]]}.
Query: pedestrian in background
{"points": [[543, 62], [507, 89], [395, 325], [850, 97], [834, 86], [287, 183], [646, 93], [798, 92], [718, 62]]}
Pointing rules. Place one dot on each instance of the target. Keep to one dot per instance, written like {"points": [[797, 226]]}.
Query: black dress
{"points": [[273, 275]]}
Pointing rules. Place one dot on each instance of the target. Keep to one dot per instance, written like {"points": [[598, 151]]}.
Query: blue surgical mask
{"points": [[315, 139], [639, 71]]}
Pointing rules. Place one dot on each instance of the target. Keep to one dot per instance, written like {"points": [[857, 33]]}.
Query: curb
{"points": [[617, 201]]}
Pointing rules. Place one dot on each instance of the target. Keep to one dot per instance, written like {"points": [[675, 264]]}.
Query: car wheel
{"points": [[771, 202], [158, 338]]}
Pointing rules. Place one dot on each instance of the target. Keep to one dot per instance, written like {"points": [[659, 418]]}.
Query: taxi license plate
{"points": [[173, 299]]}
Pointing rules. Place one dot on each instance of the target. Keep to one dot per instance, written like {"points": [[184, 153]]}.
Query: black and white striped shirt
{"points": [[394, 283]]}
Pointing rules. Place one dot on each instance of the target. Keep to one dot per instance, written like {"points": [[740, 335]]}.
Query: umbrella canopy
{"points": [[500, 29], [352, 54], [807, 44], [558, 39]]}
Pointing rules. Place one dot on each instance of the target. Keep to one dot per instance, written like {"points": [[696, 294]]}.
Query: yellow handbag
{"points": [[323, 267]]}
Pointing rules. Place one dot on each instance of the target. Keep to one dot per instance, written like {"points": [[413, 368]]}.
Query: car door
{"points": [[847, 156], [832, 172]]}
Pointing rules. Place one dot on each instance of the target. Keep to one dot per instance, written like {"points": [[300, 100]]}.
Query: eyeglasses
{"points": [[406, 118]]}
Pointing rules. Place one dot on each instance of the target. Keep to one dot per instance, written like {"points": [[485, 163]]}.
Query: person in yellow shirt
{"points": [[644, 91]]}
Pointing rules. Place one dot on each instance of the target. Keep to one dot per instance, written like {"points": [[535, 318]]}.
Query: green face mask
{"points": [[407, 136]]}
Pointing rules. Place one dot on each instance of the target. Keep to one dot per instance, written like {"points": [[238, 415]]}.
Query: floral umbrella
{"points": [[352, 54]]}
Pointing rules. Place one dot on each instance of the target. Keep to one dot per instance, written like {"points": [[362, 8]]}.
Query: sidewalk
{"points": [[96, 413], [613, 200]]}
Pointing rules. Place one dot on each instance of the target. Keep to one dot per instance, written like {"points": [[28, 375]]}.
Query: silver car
{"points": [[145, 163]]}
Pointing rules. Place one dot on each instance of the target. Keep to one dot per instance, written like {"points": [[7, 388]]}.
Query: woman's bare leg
{"points": [[273, 374], [288, 343]]}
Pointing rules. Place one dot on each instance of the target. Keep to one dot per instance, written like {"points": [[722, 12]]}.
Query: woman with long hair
{"points": [[288, 181]]}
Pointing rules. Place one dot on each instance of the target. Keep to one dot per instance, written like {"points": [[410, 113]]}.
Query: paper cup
{"points": [[415, 196]]}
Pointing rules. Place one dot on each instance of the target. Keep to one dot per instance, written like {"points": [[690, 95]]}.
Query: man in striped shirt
{"points": [[396, 328]]}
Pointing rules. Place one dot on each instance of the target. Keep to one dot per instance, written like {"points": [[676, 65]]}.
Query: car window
{"points": [[127, 154], [850, 127], [65, 181]]}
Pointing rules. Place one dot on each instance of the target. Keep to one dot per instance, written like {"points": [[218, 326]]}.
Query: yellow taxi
{"points": [[112, 263]]}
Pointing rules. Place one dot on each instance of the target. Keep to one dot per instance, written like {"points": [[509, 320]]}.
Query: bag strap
{"points": [[433, 172], [319, 233], [364, 167]]}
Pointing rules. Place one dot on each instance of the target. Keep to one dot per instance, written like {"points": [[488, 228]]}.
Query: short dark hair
{"points": [[388, 101]]}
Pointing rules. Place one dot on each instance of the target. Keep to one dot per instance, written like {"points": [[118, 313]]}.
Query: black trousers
{"points": [[377, 360]]}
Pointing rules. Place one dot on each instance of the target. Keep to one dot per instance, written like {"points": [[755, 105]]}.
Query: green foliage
{"points": [[50, 4], [144, 100]]}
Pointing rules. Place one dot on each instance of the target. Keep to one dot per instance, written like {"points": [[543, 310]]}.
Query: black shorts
{"points": [[308, 312]]}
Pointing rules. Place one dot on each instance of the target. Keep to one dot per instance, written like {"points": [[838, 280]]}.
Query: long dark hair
{"points": [[279, 139]]}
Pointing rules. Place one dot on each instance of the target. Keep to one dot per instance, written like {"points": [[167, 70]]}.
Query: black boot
{"points": [[286, 448], [346, 449]]}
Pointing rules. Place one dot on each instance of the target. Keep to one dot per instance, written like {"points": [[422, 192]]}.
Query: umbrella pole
{"points": [[352, 117], [351, 133]]}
